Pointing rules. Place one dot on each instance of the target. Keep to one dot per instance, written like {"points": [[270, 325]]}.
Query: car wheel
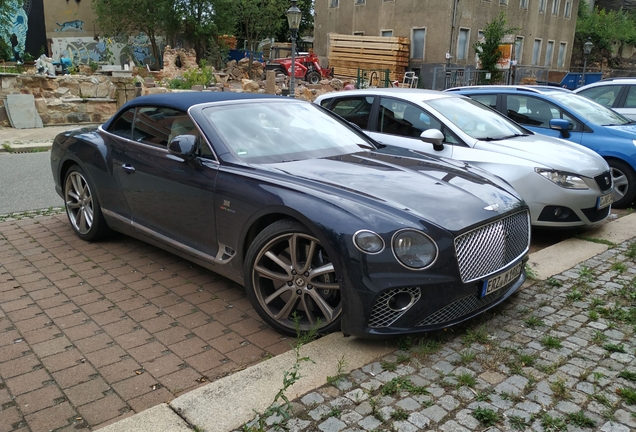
{"points": [[624, 180], [82, 208], [313, 77], [291, 281]]}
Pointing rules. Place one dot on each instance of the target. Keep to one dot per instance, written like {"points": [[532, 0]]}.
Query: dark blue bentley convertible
{"points": [[321, 225]]}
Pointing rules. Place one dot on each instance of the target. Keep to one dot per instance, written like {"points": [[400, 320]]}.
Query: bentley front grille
{"points": [[392, 304], [489, 248]]}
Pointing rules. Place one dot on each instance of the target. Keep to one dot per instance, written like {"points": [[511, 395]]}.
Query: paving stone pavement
{"points": [[559, 355], [91, 333]]}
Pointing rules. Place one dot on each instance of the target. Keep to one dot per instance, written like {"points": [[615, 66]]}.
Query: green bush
{"points": [[203, 75]]}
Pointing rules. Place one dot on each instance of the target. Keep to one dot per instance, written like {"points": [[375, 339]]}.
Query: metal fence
{"points": [[444, 78], [371, 78]]}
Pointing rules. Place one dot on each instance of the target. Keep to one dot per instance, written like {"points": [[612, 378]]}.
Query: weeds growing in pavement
{"points": [[486, 416], [551, 342], [399, 414], [388, 366], [478, 335], [333, 380], [483, 396], [281, 406], [574, 295], [628, 395], [428, 347], [534, 321], [465, 379], [335, 412], [466, 356], [585, 273], [628, 375], [554, 282], [631, 250], [550, 423], [619, 267], [403, 358], [560, 389], [614, 348], [527, 359], [518, 423], [398, 384], [405, 343], [593, 315], [580, 419]]}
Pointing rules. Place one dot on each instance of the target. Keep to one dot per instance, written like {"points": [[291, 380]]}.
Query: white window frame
{"points": [[549, 52], [360, 2], [523, 4], [414, 29], [334, 4], [386, 31], [556, 5], [465, 53], [543, 5], [503, 3], [567, 9], [519, 48], [563, 49], [536, 55]]}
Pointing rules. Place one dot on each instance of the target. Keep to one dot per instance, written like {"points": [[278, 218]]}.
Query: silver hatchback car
{"points": [[565, 184]]}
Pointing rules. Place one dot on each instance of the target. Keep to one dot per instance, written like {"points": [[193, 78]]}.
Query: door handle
{"points": [[128, 168]]}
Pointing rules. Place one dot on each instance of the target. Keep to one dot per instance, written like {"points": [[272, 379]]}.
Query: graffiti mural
{"points": [[16, 33], [75, 25], [26, 32], [84, 50]]}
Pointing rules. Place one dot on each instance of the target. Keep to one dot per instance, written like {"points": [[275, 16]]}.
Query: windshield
{"points": [[589, 110], [475, 119], [270, 131]]}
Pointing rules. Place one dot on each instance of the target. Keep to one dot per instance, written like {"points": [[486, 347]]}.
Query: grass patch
{"points": [[335, 412], [484, 396], [630, 376], [389, 366], [399, 414], [534, 321], [620, 348], [465, 379], [466, 356], [554, 282], [598, 337], [631, 251], [550, 423], [574, 295], [527, 359], [339, 371], [619, 267], [403, 358], [530, 273], [596, 240], [402, 384], [428, 347], [518, 423], [486, 416], [405, 343], [551, 342], [593, 315], [628, 395], [475, 336], [559, 389], [580, 419], [585, 273]]}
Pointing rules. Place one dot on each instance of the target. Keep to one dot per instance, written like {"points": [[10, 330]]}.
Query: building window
{"points": [[561, 58], [462, 43], [503, 2], [548, 53], [536, 52], [418, 40], [480, 38], [555, 7], [358, 33], [333, 3], [518, 48], [361, 2], [386, 33], [523, 4], [567, 12], [542, 5]]}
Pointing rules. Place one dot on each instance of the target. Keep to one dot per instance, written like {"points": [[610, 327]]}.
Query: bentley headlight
{"points": [[563, 179], [368, 242], [414, 249]]}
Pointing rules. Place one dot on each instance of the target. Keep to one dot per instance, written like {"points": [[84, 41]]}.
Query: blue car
{"points": [[560, 113]]}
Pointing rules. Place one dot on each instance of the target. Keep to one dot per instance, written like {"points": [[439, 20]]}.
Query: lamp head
{"points": [[587, 46], [293, 16]]}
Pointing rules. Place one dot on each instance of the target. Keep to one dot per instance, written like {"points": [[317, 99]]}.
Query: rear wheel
{"points": [[291, 281], [82, 208], [624, 180], [313, 77]]}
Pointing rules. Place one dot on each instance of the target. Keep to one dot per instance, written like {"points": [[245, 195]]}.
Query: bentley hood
{"points": [[439, 191]]}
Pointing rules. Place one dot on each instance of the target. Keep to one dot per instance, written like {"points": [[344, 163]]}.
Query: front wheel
{"points": [[624, 181], [82, 208], [313, 77], [291, 281]]}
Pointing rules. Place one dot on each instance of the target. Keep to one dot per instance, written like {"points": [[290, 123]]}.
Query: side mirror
{"points": [[561, 125], [184, 146], [434, 137]]}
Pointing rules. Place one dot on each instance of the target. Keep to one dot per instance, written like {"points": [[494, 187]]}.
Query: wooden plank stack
{"points": [[347, 53]]}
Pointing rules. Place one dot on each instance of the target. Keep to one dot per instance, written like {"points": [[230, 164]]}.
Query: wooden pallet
{"points": [[348, 53]]}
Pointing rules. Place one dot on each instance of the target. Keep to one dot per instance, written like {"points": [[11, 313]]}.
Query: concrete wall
{"points": [[436, 16], [69, 19]]}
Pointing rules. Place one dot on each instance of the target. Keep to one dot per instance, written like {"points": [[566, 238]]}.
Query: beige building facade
{"points": [[444, 32]]}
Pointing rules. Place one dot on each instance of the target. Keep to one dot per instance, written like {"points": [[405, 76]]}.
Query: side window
{"points": [[403, 119], [488, 100], [605, 95], [356, 110], [630, 101], [122, 126], [325, 102], [158, 125], [532, 111]]}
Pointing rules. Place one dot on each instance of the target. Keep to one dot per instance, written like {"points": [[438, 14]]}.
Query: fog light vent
{"points": [[392, 304]]}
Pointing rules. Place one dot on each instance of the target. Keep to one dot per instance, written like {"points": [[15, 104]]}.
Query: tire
{"points": [[82, 208], [624, 181], [313, 77], [281, 288]]}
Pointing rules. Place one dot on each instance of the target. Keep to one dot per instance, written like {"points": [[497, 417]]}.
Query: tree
{"points": [[258, 19], [119, 17], [489, 53], [306, 21]]}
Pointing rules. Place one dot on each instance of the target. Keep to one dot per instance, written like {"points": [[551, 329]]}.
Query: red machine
{"points": [[307, 67]]}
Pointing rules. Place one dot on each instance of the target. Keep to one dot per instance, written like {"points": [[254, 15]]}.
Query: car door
{"points": [[356, 110], [627, 104], [535, 114], [171, 199], [401, 123]]}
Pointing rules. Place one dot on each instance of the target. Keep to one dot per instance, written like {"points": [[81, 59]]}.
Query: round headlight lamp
{"points": [[414, 249], [368, 242]]}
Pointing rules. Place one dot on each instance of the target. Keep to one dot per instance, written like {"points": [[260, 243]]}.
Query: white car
{"points": [[618, 94], [565, 184]]}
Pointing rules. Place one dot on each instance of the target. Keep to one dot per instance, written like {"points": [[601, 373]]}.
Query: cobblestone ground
{"points": [[560, 355], [91, 333]]}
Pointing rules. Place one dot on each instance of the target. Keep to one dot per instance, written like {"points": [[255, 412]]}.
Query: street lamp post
{"points": [[293, 18], [587, 49]]}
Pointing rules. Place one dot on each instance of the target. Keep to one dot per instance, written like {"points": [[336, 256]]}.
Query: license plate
{"points": [[500, 281], [604, 201]]}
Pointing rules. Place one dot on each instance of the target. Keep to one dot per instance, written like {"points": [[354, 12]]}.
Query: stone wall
{"points": [[68, 99]]}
